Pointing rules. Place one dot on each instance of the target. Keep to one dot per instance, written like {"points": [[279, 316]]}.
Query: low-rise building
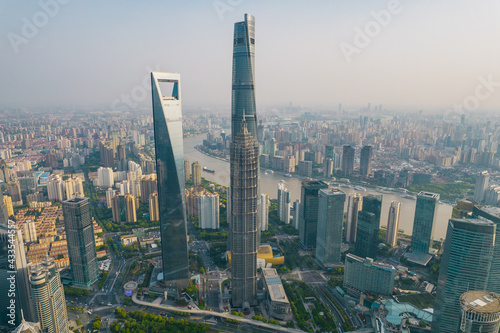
{"points": [[277, 301], [128, 240]]}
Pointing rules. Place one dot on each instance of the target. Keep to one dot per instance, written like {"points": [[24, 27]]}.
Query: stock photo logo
{"points": [[138, 94], [31, 26], [482, 92]]}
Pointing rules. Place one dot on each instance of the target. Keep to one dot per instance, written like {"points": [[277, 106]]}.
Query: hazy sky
{"points": [[425, 54]]}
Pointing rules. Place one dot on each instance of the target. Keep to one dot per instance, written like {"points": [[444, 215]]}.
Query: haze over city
{"points": [[425, 55]]}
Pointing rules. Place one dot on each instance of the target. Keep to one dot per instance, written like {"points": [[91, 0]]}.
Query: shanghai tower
{"points": [[243, 91], [244, 224]]}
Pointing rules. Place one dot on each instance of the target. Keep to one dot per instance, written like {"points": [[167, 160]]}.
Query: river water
{"points": [[269, 185]]}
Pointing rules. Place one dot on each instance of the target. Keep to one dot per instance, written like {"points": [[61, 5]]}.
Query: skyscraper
{"points": [[11, 239], [243, 91], [244, 225], [354, 205], [368, 227], [8, 204], [482, 316], [55, 188], [347, 160], [283, 203], [330, 224], [80, 240], [365, 164], [196, 173], [187, 174], [296, 214], [4, 213], [423, 222], [264, 212], [167, 118], [393, 223], [154, 212], [208, 207], [308, 213], [482, 180], [47, 295], [465, 265], [15, 192]]}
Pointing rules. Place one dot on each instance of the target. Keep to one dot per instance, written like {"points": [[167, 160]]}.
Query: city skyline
{"points": [[460, 54]]}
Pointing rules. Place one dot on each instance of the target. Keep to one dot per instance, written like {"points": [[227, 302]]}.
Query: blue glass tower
{"points": [[465, 265], [167, 115], [368, 227], [243, 91], [423, 223]]}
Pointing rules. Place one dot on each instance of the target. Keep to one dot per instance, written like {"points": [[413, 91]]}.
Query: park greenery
{"points": [[70, 291], [447, 191], [139, 321]]}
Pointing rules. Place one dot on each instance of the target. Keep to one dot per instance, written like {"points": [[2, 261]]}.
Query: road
{"points": [[259, 324]]}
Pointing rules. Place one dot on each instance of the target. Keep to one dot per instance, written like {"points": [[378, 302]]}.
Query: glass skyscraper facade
{"points": [[423, 223], [368, 227], [80, 240], [243, 91], [167, 118], [308, 212], [330, 224], [465, 265]]}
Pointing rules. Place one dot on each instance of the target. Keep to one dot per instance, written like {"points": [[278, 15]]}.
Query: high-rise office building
{"points": [[354, 205], [208, 208], [364, 275], [47, 295], [264, 212], [80, 240], [4, 213], [327, 167], [283, 203], [13, 273], [8, 204], [308, 215], [465, 265], [482, 180], [187, 173], [243, 89], [167, 115], [423, 222], [365, 163], [347, 160], [196, 173], [393, 223], [480, 312], [228, 216], [368, 227], [330, 224], [296, 214], [154, 212], [244, 217]]}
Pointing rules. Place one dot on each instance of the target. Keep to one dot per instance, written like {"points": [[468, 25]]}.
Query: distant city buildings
{"points": [[365, 165], [482, 180], [123, 208], [366, 276], [330, 225], [423, 223]]}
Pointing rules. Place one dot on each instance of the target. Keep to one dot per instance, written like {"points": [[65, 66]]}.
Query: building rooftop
{"points": [[429, 195], [495, 211], [480, 301]]}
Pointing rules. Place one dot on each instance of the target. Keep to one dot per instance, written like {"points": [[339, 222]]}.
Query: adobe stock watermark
{"points": [[364, 36], [31, 27], [138, 93], [223, 6], [483, 91], [11, 274]]}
